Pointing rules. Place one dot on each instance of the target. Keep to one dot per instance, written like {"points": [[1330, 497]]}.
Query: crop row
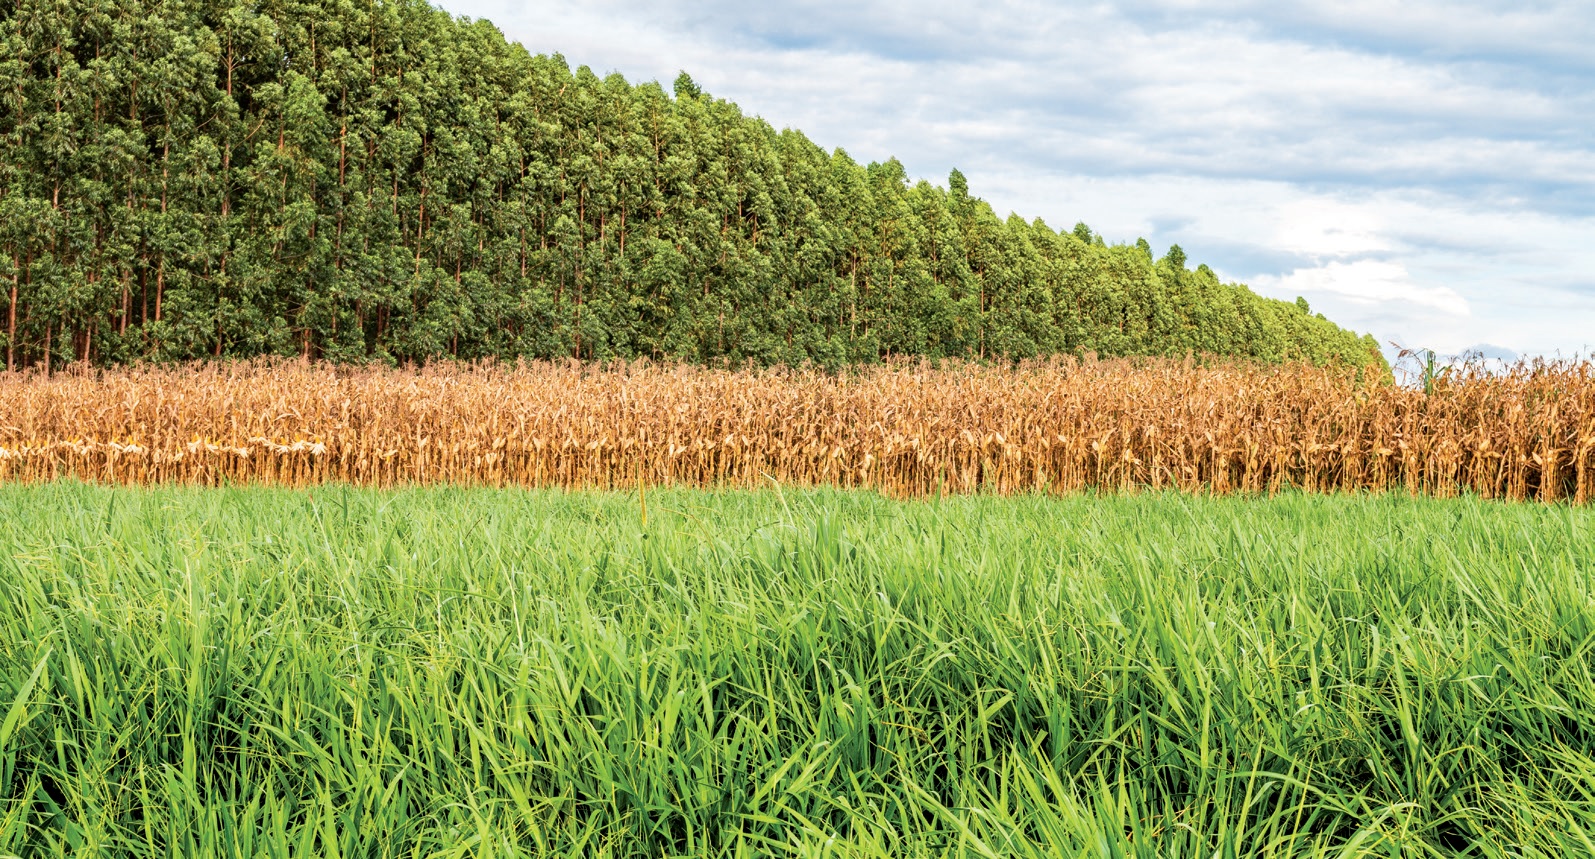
{"points": [[904, 429]]}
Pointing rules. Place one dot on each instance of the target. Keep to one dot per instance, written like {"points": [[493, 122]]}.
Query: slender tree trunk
{"points": [[160, 267], [11, 319], [420, 221], [343, 160], [227, 196], [227, 148]]}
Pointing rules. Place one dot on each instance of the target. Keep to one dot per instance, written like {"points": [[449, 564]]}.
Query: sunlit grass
{"points": [[342, 672]]}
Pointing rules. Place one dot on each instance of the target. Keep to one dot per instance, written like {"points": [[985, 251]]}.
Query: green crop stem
{"points": [[450, 672]]}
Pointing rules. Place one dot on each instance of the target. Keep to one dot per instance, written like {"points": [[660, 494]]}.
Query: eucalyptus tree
{"points": [[360, 181]]}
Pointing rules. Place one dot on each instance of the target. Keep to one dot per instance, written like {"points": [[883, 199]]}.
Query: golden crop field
{"points": [[905, 429]]}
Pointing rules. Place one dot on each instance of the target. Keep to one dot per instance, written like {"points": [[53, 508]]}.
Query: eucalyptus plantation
{"points": [[380, 180]]}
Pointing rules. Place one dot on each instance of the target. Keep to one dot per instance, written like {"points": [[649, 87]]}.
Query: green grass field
{"points": [[446, 672]]}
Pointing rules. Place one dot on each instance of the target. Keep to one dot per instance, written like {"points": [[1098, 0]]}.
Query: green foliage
{"points": [[359, 181], [447, 673]]}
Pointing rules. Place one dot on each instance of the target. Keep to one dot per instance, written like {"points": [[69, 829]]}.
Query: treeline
{"points": [[358, 181]]}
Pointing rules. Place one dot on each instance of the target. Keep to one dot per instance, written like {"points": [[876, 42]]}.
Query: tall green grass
{"points": [[446, 672]]}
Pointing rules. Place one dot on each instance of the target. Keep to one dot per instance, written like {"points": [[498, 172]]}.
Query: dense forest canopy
{"points": [[380, 180]]}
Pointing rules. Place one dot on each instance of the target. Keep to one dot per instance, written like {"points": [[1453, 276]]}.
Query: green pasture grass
{"points": [[444, 672]]}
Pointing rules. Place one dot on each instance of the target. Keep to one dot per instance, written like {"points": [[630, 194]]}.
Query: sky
{"points": [[1423, 171]]}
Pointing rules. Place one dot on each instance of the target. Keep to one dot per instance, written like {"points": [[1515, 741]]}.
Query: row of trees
{"points": [[379, 180]]}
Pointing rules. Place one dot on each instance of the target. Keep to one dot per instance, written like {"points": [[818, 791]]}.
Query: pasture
{"points": [[447, 671]]}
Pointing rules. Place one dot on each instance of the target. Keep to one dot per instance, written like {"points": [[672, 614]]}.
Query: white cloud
{"points": [[1366, 282], [1319, 228]]}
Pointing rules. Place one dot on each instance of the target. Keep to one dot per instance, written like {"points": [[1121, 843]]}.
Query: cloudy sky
{"points": [[1423, 172]]}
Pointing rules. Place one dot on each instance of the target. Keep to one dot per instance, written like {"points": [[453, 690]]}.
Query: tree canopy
{"points": [[382, 181]]}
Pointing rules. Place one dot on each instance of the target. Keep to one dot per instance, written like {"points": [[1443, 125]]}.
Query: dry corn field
{"points": [[907, 430]]}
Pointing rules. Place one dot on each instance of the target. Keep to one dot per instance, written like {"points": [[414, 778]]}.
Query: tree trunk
{"points": [[11, 321]]}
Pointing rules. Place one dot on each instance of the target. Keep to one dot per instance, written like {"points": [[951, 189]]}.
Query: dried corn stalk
{"points": [[905, 429]]}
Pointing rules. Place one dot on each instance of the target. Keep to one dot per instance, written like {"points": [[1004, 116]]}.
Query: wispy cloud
{"points": [[1369, 283], [1425, 167]]}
